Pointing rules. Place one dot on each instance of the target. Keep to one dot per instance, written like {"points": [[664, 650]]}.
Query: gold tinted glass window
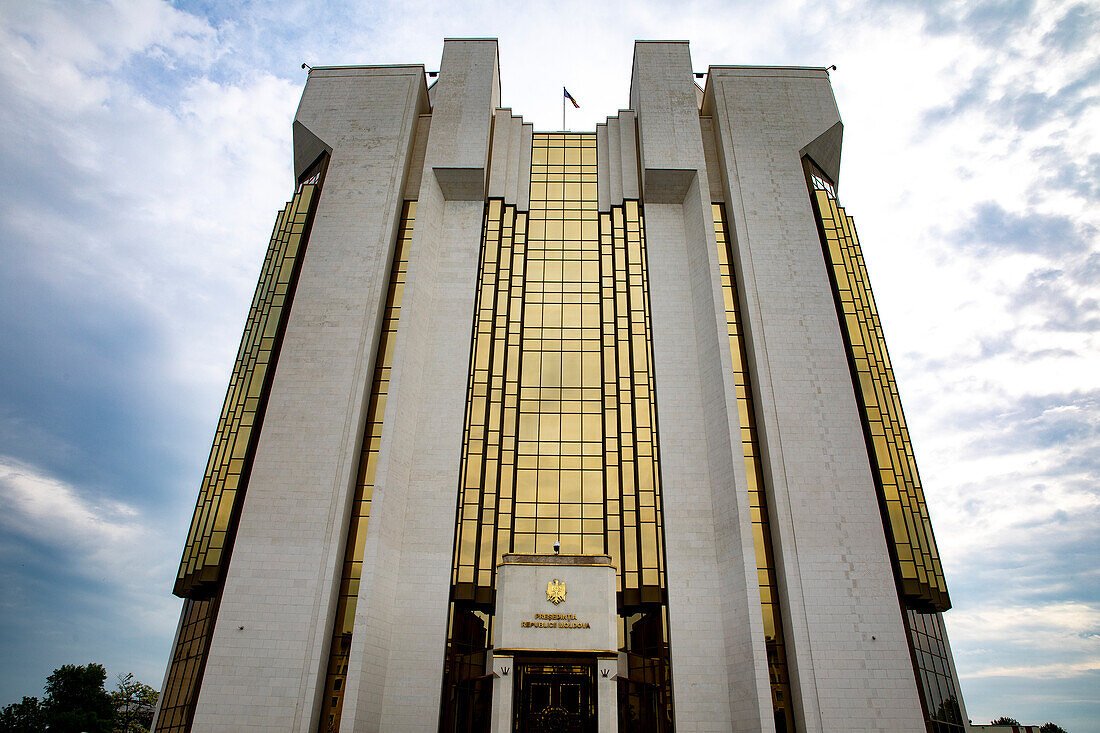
{"points": [[230, 457], [932, 661], [561, 435], [913, 549], [185, 668], [912, 545]]}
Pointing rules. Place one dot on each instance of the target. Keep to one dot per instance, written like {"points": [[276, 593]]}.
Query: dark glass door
{"points": [[555, 697]]}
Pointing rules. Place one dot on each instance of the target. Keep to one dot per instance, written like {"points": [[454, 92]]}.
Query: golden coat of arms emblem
{"points": [[555, 591]]}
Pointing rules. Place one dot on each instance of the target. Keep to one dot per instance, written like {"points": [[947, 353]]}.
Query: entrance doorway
{"points": [[555, 696]]}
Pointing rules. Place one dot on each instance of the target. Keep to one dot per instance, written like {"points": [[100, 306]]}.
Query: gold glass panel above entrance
{"points": [[561, 436], [555, 625]]}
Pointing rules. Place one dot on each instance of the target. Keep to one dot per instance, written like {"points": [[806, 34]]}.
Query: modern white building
{"points": [[563, 431]]}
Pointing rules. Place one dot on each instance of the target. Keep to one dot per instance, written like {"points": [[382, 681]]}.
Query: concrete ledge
{"points": [[307, 148], [806, 72], [461, 184], [667, 185], [825, 151], [365, 70], [522, 559]]}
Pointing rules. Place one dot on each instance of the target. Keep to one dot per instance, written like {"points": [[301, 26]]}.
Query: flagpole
{"points": [[563, 109]]}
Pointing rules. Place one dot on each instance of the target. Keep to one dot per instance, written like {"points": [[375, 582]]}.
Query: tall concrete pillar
{"points": [[396, 661], [266, 662], [846, 647], [714, 604]]}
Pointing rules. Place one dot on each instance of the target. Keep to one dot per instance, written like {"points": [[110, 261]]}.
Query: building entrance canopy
{"points": [[555, 655]]}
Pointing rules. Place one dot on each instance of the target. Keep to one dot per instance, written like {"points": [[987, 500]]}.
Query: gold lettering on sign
{"points": [[555, 621]]}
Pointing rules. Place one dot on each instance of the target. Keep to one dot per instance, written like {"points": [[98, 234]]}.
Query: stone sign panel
{"points": [[556, 602]]}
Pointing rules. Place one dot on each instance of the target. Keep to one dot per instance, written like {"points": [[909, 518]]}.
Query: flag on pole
{"points": [[570, 97]]}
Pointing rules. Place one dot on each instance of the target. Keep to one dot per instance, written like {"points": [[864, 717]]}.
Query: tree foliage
{"points": [[134, 703], [1005, 720], [1051, 727], [76, 702], [27, 715]]}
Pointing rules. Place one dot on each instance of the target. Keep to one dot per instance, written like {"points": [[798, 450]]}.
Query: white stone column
{"points": [[504, 668], [846, 648], [607, 695], [265, 669], [396, 663], [719, 669]]}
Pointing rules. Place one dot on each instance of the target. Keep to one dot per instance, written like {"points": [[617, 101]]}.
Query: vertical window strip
{"points": [[186, 666], [352, 569], [913, 546], [632, 467], [482, 529], [613, 458], [206, 553], [230, 455], [488, 448], [652, 580], [560, 378], [630, 407], [621, 390], [750, 444], [928, 640]]}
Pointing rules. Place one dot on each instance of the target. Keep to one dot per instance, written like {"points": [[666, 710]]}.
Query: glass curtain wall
{"points": [[921, 587], [210, 538], [560, 438], [181, 690], [908, 527]]}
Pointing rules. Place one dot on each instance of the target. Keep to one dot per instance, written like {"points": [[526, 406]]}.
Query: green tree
{"points": [[1005, 720], [134, 703], [1052, 728], [22, 717], [76, 701]]}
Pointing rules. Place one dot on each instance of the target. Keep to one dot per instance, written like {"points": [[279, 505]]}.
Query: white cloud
{"points": [[109, 544], [101, 595], [106, 541], [162, 208], [1046, 640], [55, 51], [43, 507], [930, 137]]}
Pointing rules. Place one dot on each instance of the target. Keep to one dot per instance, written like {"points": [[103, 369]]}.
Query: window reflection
{"points": [[565, 428]]}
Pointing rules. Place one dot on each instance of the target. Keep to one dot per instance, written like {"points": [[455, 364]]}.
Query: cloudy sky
{"points": [[145, 148]]}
